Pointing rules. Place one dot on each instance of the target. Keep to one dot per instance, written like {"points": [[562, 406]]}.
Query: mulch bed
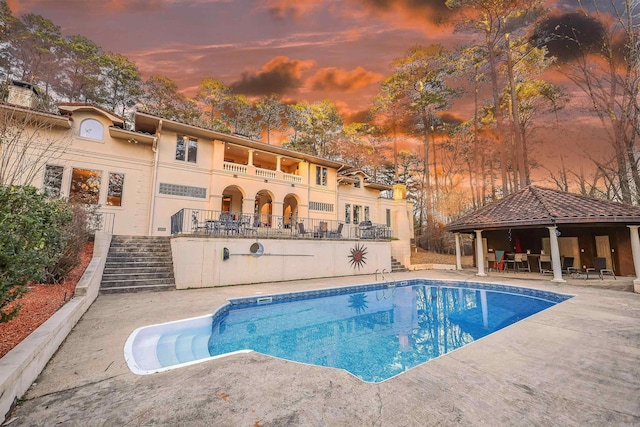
{"points": [[39, 303]]}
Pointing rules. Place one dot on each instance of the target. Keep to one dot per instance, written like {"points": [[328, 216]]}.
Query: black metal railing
{"points": [[237, 224]]}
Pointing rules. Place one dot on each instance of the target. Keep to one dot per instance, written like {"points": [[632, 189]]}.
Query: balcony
{"points": [[238, 225], [242, 161]]}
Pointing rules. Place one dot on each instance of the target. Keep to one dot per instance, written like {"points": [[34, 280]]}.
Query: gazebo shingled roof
{"points": [[536, 206]]}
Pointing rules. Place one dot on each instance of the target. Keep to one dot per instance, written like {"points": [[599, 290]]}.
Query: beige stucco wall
{"points": [[198, 261]]}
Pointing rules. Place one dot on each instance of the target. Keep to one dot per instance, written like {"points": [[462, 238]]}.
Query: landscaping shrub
{"points": [[32, 238], [75, 235]]}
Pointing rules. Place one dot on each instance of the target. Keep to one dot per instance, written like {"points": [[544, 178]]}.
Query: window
{"points": [[85, 186], [182, 190], [52, 181], [357, 184], [356, 214], [114, 193], [321, 207], [366, 213], [187, 149], [92, 129], [321, 175], [388, 217], [347, 213]]}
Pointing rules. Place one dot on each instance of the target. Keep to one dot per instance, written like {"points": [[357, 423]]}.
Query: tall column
{"points": [[250, 159], [458, 255], [479, 254], [635, 252], [278, 163], [555, 255]]}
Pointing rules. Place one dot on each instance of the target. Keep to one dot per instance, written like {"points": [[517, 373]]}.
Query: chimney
{"points": [[23, 94]]}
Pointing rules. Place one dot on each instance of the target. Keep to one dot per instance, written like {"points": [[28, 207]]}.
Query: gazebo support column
{"points": [[479, 254], [458, 255], [555, 255], [635, 252]]}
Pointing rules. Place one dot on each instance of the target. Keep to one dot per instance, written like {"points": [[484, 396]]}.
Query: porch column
{"points": [[458, 255], [248, 206], [479, 254], [250, 159], [555, 255], [278, 163], [635, 252]]}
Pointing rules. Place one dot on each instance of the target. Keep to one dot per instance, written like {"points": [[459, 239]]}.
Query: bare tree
{"points": [[28, 142]]}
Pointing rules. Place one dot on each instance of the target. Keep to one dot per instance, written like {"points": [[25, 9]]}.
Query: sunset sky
{"points": [[300, 49]]}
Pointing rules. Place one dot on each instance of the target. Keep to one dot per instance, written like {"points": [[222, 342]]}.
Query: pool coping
{"points": [[276, 298]]}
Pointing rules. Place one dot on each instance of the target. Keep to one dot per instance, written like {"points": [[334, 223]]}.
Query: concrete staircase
{"points": [[138, 263], [397, 266]]}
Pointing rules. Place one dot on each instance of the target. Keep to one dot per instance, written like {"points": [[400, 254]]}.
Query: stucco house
{"points": [[167, 178]]}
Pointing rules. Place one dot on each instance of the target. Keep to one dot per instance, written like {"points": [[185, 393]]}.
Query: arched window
{"points": [[92, 129]]}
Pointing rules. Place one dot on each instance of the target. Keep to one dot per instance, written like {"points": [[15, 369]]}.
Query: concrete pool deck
{"points": [[577, 363]]}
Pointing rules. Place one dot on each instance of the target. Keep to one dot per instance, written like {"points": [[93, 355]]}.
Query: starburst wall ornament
{"points": [[358, 256]]}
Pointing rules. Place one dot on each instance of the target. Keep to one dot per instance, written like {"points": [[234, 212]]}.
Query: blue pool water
{"points": [[373, 331]]}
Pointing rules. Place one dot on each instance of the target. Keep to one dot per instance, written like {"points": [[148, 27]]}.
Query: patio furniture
{"points": [[366, 230], [499, 264], [600, 266], [301, 230], [522, 262], [322, 230], [567, 265], [544, 262], [510, 262], [491, 261], [337, 233]]}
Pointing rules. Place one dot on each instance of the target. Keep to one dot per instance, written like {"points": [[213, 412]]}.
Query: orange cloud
{"points": [[279, 75], [291, 8], [335, 79], [19, 7]]}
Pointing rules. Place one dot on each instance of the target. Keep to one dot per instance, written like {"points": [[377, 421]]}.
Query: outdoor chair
{"points": [[491, 261], [522, 262], [336, 233], [301, 230], [510, 262], [600, 267], [322, 229], [543, 262], [567, 265]]}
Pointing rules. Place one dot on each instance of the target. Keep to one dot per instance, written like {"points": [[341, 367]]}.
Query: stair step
{"points": [[166, 268], [151, 275], [147, 288]]}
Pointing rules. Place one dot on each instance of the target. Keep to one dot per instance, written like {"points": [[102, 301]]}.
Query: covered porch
{"points": [[571, 234]]}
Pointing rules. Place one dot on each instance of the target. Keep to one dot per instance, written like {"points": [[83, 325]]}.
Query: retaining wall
{"points": [[21, 366]]}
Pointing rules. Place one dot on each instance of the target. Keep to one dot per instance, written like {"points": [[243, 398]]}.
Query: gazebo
{"points": [[538, 220]]}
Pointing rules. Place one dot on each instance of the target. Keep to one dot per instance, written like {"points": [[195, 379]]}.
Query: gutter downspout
{"points": [[154, 178]]}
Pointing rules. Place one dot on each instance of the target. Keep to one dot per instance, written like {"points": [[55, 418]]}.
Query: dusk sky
{"points": [[302, 49]]}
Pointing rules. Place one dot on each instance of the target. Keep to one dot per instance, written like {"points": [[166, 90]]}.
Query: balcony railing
{"points": [[236, 224], [235, 167], [266, 173], [297, 179]]}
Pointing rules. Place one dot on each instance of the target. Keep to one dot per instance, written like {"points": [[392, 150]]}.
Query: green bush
{"points": [[75, 234], [32, 238]]}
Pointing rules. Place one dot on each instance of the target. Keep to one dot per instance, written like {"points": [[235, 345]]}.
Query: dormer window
{"points": [[92, 129], [356, 184]]}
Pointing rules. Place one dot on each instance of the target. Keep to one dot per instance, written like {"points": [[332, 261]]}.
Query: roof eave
{"points": [[238, 140]]}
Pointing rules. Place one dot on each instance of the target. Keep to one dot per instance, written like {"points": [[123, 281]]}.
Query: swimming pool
{"points": [[373, 331]]}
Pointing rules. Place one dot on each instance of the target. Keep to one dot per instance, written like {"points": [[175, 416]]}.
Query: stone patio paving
{"points": [[577, 363]]}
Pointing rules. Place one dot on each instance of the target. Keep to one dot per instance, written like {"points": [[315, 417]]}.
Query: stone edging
{"points": [[20, 367]]}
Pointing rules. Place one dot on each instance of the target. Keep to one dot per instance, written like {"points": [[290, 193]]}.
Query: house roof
{"points": [[148, 123], [70, 107], [536, 206]]}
